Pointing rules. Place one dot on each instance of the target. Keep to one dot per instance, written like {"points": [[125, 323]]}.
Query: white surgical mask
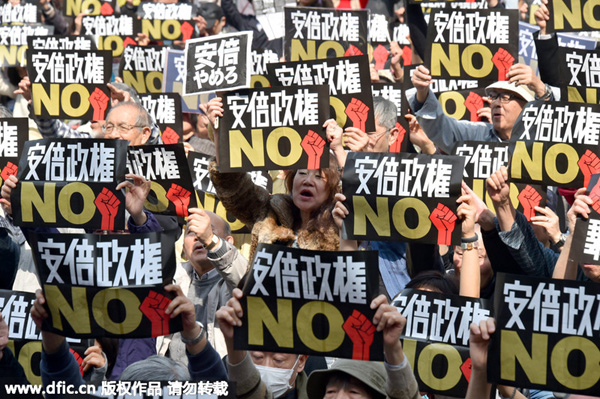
{"points": [[277, 379]]}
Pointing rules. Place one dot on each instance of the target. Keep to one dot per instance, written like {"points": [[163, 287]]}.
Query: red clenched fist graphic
{"points": [[99, 101], [589, 163], [186, 31], [397, 145], [529, 198], [313, 145], [503, 60], [169, 136], [106, 9], [443, 219], [380, 55], [78, 359], [361, 331], [406, 55], [153, 308], [357, 111], [129, 42], [180, 197], [474, 103], [352, 50], [9, 170], [108, 205]]}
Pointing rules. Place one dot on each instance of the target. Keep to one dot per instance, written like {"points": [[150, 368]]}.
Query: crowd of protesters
{"points": [[307, 214]]}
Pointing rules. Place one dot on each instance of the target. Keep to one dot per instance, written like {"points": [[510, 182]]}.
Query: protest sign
{"points": [[162, 21], [317, 33], [19, 13], [482, 159], [585, 246], [463, 104], [573, 15], [349, 86], [311, 302], [452, 4], [217, 63], [405, 197], [440, 323], [270, 15], [556, 143], [72, 8], [207, 195], [13, 134], [260, 59], [106, 285], [112, 32], [141, 67], [470, 48], [165, 110], [69, 84], [173, 78], [579, 71], [546, 335], [393, 92], [13, 41], [380, 38], [274, 128], [167, 168], [71, 183]]}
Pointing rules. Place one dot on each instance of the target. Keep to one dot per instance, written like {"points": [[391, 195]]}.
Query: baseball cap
{"points": [[522, 91], [211, 12], [372, 374]]}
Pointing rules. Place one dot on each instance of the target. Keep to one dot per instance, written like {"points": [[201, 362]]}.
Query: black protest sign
{"points": [[546, 334], [440, 323], [317, 33], [69, 84], [379, 42], [585, 246], [274, 128], [106, 285], [71, 183], [463, 104], [556, 143], [13, 134], [161, 21], [167, 169], [260, 60], [19, 14], [482, 159], [13, 42], [16, 310], [113, 32], [394, 93], [173, 78], [207, 196], [72, 8], [165, 109], [349, 84], [142, 67], [217, 63], [579, 70], [471, 48], [311, 302], [573, 15], [60, 42], [164, 11], [401, 196]]}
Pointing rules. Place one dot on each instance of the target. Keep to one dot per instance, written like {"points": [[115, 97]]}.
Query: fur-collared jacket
{"points": [[271, 218]]}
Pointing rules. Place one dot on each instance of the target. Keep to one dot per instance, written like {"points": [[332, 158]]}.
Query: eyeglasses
{"points": [[376, 136], [121, 128], [503, 97]]}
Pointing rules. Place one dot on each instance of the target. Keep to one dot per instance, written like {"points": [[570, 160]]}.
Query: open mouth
{"points": [[306, 194]]}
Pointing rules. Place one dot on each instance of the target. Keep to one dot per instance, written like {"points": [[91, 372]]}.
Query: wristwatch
{"points": [[467, 246], [561, 241], [200, 337], [214, 240]]}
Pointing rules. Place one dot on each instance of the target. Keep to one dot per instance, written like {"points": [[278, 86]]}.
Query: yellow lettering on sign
{"points": [[170, 29], [236, 224], [281, 328], [12, 55], [559, 360], [324, 48], [305, 328], [75, 7], [467, 60], [572, 167], [136, 81], [130, 303], [30, 198], [532, 164], [399, 218], [113, 43], [591, 95], [340, 110], [238, 145], [379, 219], [453, 373], [151, 28], [257, 81], [162, 202], [76, 313], [299, 53], [512, 350], [64, 203], [295, 142], [410, 351], [574, 14], [450, 61], [26, 358], [50, 101], [459, 103], [453, 60], [67, 103], [588, 13]]}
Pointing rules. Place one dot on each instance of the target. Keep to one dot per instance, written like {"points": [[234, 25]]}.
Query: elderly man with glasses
{"points": [[507, 100]]}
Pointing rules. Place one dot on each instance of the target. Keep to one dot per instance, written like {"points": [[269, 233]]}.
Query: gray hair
{"points": [[386, 112], [143, 118], [125, 87], [5, 112], [156, 368]]}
